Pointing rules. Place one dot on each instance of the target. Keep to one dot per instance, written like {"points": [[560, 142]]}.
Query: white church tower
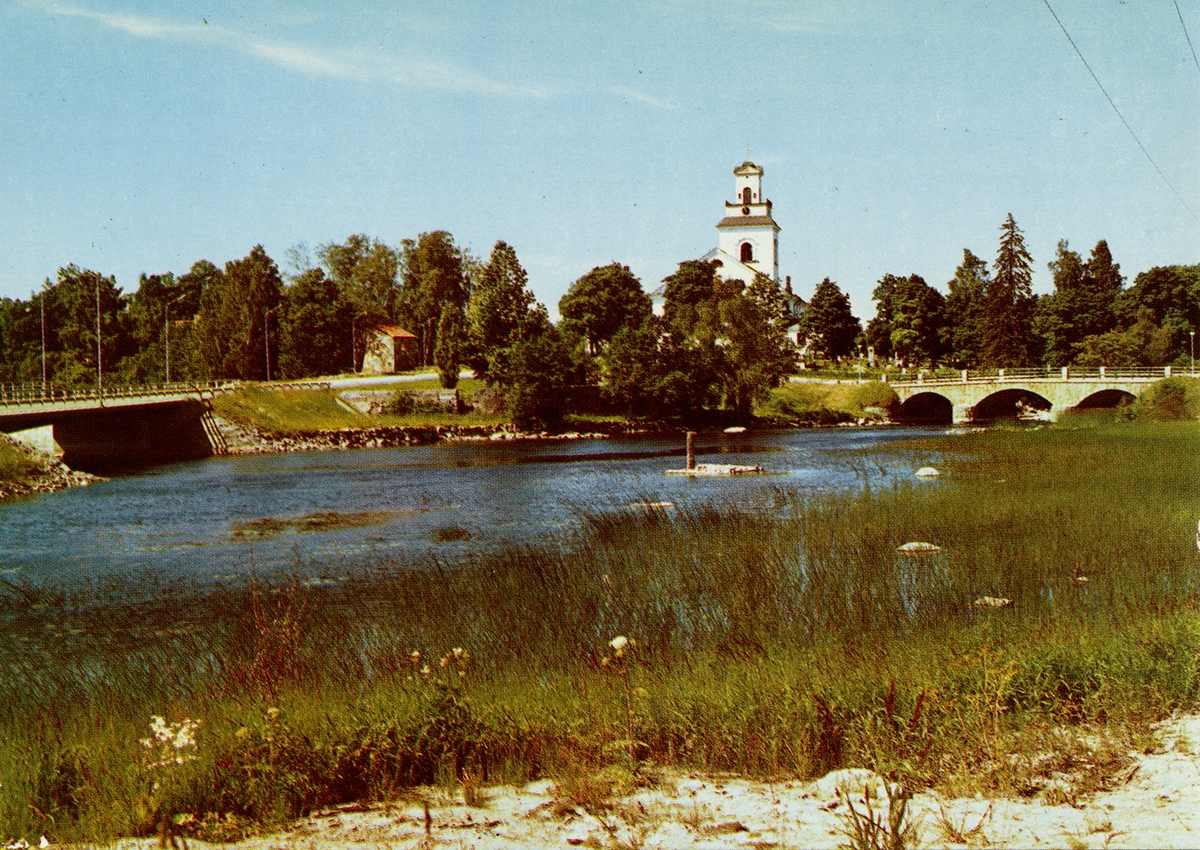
{"points": [[748, 241]]}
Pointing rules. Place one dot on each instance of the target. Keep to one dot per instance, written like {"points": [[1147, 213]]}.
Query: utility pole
{"points": [[354, 342], [99, 353], [267, 338], [42, 306], [167, 334]]}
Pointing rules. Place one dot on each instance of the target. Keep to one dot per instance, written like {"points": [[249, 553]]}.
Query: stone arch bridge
{"points": [[999, 393]]}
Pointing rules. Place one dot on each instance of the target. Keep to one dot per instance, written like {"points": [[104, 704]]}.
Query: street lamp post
{"points": [[42, 308], [167, 334], [99, 353], [354, 342], [267, 338]]}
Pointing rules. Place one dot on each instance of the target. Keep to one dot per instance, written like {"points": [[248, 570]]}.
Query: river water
{"points": [[319, 513]]}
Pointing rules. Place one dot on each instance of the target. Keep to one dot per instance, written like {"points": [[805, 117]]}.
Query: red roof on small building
{"points": [[394, 331]]}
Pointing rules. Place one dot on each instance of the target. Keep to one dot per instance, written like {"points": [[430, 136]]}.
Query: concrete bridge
{"points": [[126, 426], [999, 393]]}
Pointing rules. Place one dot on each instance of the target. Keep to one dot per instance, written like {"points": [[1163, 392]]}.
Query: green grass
{"points": [[780, 642], [826, 404], [292, 412]]}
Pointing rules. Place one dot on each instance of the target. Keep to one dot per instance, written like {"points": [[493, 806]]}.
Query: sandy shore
{"points": [[1159, 806]]}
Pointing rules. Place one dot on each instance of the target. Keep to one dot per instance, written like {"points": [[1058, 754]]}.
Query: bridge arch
{"points": [[1105, 400], [926, 408], [1009, 403]]}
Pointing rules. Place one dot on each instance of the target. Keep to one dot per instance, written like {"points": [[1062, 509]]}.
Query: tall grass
{"points": [[772, 642]]}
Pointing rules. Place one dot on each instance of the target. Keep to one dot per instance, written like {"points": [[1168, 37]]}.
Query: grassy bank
{"points": [[292, 412], [828, 404], [781, 642]]}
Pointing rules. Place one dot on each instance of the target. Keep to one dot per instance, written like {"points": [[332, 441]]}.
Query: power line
{"points": [[1119, 115], [1185, 35]]}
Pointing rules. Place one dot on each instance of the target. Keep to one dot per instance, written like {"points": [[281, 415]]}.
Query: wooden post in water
{"points": [[691, 449]]}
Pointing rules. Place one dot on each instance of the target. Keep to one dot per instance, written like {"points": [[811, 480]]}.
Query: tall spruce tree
{"points": [[1008, 335]]}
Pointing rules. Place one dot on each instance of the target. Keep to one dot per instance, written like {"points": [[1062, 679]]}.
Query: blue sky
{"points": [[142, 137]]}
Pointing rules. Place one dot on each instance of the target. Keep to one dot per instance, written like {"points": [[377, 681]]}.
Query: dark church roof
{"points": [[747, 221]]}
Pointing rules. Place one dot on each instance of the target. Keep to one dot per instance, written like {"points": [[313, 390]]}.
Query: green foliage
{"points": [[909, 321], [537, 371], [451, 342], [434, 279], [1008, 338], [829, 328], [501, 310], [964, 311], [684, 291], [601, 303], [315, 327], [717, 339], [1081, 305], [364, 270], [651, 373], [1170, 399], [236, 315]]}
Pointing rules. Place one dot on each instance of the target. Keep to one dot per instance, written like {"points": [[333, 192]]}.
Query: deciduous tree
{"points": [[233, 322], [602, 302], [965, 309]]}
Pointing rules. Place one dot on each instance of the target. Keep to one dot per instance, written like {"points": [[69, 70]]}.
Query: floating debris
{"points": [[712, 470], [919, 547], [993, 602], [927, 472]]}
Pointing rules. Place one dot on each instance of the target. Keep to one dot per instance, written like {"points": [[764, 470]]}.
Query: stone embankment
{"points": [[242, 439], [46, 474]]}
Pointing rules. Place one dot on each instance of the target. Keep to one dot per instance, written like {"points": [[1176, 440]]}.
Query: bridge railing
{"points": [[13, 394], [1037, 374]]}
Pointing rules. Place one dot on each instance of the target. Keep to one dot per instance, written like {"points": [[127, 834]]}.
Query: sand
{"points": [[1159, 806]]}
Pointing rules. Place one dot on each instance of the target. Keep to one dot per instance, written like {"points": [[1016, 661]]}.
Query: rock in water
{"points": [[919, 547]]}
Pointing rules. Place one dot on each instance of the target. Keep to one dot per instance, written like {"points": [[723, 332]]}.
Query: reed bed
{"points": [[784, 640]]}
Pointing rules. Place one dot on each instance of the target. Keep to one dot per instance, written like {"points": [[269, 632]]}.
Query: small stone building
{"points": [[389, 348]]}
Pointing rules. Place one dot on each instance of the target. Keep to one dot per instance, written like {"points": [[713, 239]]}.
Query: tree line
{"points": [[715, 344], [991, 318]]}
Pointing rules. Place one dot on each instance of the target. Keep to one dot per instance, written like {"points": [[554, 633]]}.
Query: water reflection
{"points": [[191, 518]]}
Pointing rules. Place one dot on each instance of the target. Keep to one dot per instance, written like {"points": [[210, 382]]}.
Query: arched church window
{"points": [[746, 195], [747, 250]]}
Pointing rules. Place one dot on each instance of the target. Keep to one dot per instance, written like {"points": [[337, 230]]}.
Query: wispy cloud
{"points": [[344, 64], [633, 94]]}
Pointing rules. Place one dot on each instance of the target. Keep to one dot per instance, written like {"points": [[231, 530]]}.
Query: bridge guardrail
{"points": [[13, 394], [1044, 375]]}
